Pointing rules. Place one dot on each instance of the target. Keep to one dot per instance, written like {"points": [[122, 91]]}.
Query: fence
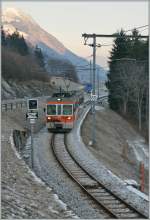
{"points": [[10, 106]]}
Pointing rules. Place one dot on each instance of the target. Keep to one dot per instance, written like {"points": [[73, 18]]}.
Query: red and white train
{"points": [[62, 110]]}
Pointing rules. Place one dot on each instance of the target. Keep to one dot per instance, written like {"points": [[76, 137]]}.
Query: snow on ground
{"points": [[23, 194], [48, 169], [99, 108], [117, 143], [140, 151], [142, 195], [96, 167]]}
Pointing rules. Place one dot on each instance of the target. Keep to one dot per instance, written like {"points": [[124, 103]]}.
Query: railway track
{"points": [[113, 206]]}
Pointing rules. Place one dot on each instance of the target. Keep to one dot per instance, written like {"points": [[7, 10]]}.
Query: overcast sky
{"points": [[68, 20]]}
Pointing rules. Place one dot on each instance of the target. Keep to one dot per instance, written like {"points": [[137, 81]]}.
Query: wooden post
{"points": [[6, 107], [142, 176], [11, 104]]}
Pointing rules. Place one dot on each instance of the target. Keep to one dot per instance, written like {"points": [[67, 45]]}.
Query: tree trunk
{"points": [[140, 121], [124, 107]]}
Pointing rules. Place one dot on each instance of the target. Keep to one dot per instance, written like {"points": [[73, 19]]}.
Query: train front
{"points": [[60, 115]]}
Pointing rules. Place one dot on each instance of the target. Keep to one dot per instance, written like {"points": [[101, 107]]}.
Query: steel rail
{"points": [[120, 208], [111, 203], [75, 179], [103, 186]]}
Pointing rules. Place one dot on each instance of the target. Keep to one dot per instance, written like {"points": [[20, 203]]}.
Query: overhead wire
{"points": [[136, 28], [105, 45]]}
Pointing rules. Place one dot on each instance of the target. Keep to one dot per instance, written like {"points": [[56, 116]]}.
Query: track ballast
{"points": [[114, 206]]}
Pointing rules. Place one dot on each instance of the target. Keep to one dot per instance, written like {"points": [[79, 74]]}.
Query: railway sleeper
{"points": [[110, 202], [86, 184], [116, 206], [101, 193], [104, 198], [81, 177], [98, 189], [71, 164], [123, 210], [80, 172], [128, 215]]}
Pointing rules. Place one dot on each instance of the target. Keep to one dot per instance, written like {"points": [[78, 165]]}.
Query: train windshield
{"points": [[67, 109], [51, 109]]}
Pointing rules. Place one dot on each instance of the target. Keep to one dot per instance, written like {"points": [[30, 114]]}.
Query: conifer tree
{"points": [[3, 37], [128, 76], [18, 43], [120, 50], [39, 56]]}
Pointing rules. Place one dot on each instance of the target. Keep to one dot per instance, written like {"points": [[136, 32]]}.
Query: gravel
{"points": [[23, 194], [49, 170], [97, 168]]}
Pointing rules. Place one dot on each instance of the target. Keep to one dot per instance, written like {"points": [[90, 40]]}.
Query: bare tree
{"points": [[131, 84], [124, 78], [140, 84]]}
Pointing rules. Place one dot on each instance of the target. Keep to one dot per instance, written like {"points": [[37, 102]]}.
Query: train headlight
{"points": [[69, 118], [49, 118]]}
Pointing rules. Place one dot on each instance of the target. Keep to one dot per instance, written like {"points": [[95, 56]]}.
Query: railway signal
{"points": [[32, 115], [32, 104], [94, 98]]}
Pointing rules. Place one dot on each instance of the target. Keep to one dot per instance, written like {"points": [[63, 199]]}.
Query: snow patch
{"points": [[37, 179], [17, 20], [140, 151], [11, 11], [99, 171], [52, 210], [63, 206], [69, 213], [61, 203], [99, 108], [13, 147], [143, 195]]}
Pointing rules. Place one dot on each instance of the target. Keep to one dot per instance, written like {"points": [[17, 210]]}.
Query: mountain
{"points": [[52, 48]]}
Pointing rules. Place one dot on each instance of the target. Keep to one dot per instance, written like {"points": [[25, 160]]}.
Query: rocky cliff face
{"points": [[12, 89]]}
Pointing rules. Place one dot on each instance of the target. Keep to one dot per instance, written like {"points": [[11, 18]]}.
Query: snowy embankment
{"points": [[101, 173], [23, 194]]}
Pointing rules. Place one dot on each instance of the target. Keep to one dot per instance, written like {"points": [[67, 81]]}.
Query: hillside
{"points": [[35, 35]]}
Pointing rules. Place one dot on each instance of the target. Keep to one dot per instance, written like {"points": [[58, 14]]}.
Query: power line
{"points": [[106, 45], [136, 28], [143, 30]]}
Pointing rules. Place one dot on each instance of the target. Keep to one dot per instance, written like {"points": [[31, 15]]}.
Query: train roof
{"points": [[63, 97]]}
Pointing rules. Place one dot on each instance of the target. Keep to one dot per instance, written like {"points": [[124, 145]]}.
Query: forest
{"points": [[128, 79], [22, 62]]}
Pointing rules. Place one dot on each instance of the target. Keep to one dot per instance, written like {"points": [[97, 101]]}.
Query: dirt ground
{"points": [[113, 135], [23, 195]]}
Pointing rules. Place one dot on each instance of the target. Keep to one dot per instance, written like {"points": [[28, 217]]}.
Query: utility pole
{"points": [[94, 69], [98, 82], [94, 61], [93, 36], [90, 72], [93, 84]]}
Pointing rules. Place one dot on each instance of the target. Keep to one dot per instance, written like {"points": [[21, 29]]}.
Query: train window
{"points": [[67, 109], [51, 109], [59, 109]]}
